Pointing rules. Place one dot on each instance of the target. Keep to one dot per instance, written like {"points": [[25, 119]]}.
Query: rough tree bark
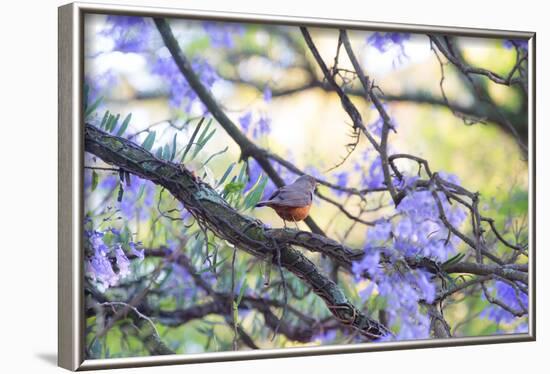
{"points": [[246, 233]]}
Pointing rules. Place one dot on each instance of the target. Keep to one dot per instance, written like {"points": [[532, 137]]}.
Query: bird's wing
{"points": [[291, 197]]}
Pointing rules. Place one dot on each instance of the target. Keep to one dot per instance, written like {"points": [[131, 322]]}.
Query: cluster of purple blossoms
{"points": [[257, 129], [180, 284], [107, 264], [511, 296], [223, 34], [401, 289], [137, 197], [520, 43], [342, 180], [414, 231], [129, 34], [390, 42], [98, 84], [420, 232], [180, 90], [384, 41], [262, 125]]}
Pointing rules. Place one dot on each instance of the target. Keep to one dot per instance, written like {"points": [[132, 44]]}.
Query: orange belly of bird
{"points": [[291, 213]]}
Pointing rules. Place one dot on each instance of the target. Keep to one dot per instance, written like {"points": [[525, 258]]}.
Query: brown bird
{"points": [[292, 202]]}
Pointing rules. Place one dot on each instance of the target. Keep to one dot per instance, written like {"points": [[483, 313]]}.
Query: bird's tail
{"points": [[262, 203]]}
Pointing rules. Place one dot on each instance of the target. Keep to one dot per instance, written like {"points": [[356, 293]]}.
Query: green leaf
{"points": [[255, 193], [124, 125], [86, 95], [166, 152], [158, 153], [104, 120], [95, 178], [241, 293], [113, 123], [120, 192], [233, 187], [226, 174], [149, 141], [204, 137], [166, 277], [453, 260], [214, 155], [205, 131], [109, 122], [91, 109], [108, 119], [235, 312], [140, 192], [190, 143], [213, 267], [125, 235], [243, 177], [173, 154]]}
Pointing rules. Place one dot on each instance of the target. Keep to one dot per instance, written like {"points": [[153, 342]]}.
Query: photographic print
{"points": [[258, 186]]}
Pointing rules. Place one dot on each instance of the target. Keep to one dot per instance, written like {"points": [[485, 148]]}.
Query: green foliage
{"points": [[174, 144], [95, 179], [226, 174], [256, 192], [204, 137], [232, 188], [124, 125], [149, 141]]}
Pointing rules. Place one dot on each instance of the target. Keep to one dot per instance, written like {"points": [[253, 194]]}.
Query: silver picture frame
{"points": [[70, 187]]}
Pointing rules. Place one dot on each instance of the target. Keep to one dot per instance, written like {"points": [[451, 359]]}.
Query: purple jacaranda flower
{"points": [[402, 293], [514, 298], [419, 230], [180, 284], [180, 91], [129, 33], [122, 261], [520, 43], [376, 126], [422, 279], [245, 121], [384, 41], [98, 266], [136, 252], [342, 179], [263, 127], [98, 85], [404, 228], [267, 94], [406, 182], [223, 34], [380, 232], [369, 263], [367, 292], [376, 175]]}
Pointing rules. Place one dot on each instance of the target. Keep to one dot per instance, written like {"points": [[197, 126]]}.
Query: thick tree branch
{"points": [[145, 328], [215, 214], [248, 149], [447, 47]]}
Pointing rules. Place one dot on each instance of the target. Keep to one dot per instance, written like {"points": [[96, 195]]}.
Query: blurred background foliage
{"points": [[248, 67]]}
